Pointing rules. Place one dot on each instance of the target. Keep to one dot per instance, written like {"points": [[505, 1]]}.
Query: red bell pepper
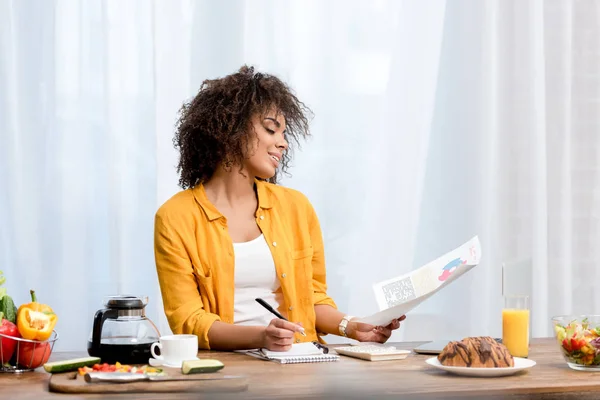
{"points": [[573, 344], [7, 346]]}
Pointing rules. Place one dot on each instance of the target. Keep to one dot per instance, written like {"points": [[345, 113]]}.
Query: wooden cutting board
{"points": [[72, 382]]}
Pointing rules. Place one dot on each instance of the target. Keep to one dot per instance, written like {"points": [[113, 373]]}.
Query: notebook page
{"points": [[297, 350]]}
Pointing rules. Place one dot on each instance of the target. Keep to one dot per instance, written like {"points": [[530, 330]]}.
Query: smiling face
{"points": [[268, 145]]}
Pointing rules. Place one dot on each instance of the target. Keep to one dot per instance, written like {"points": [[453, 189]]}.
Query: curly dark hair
{"points": [[215, 126]]}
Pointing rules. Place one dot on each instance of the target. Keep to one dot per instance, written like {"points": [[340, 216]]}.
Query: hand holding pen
{"points": [[279, 335]]}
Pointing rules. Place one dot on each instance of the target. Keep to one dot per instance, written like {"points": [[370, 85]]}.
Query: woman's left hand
{"points": [[369, 333]]}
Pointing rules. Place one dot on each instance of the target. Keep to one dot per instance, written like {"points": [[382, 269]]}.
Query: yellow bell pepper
{"points": [[587, 359], [587, 350], [35, 321]]}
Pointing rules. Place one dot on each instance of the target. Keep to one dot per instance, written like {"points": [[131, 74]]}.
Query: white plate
{"points": [[520, 365], [158, 363]]}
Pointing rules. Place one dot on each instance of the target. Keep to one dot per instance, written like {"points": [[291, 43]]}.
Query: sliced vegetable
{"points": [[35, 321], [118, 367], [580, 342], [585, 323], [70, 365], [561, 334], [201, 366]]}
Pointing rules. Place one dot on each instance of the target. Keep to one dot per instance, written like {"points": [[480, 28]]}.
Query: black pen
{"points": [[274, 312]]}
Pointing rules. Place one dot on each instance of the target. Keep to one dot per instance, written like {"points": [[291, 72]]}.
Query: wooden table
{"points": [[358, 379]]}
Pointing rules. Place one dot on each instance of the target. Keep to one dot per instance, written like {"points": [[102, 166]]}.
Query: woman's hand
{"points": [[279, 335], [369, 333]]}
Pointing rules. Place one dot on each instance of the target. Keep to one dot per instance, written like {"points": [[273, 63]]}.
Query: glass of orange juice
{"points": [[515, 325]]}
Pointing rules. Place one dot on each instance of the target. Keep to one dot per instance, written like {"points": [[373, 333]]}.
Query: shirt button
{"points": [[283, 275], [262, 217], [297, 340], [274, 244], [290, 308]]}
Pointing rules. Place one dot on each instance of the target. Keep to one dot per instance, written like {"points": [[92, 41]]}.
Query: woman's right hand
{"points": [[279, 335]]}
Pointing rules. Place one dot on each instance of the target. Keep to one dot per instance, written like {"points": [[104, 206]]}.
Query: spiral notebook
{"points": [[299, 353]]}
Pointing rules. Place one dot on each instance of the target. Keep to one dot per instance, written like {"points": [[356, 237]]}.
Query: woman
{"points": [[232, 235]]}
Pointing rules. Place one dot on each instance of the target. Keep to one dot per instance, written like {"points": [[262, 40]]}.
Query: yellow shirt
{"points": [[195, 260]]}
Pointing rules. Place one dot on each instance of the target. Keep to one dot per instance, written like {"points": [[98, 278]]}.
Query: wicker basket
{"points": [[17, 365]]}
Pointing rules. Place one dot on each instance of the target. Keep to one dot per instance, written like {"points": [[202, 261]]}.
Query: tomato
{"points": [[33, 355]]}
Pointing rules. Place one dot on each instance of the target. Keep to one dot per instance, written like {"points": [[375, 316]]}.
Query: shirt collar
{"points": [[264, 194], [264, 199]]}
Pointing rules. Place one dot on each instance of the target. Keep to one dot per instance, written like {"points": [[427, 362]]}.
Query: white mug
{"points": [[175, 349]]}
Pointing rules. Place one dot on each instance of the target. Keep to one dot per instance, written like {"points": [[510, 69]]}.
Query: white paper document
{"points": [[397, 296]]}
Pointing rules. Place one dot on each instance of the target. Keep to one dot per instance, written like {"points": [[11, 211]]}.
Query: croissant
{"points": [[476, 352]]}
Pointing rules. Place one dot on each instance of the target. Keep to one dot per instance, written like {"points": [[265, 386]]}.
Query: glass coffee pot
{"points": [[121, 331]]}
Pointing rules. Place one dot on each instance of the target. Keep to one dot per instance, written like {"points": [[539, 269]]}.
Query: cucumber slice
{"points": [[201, 366], [70, 365]]}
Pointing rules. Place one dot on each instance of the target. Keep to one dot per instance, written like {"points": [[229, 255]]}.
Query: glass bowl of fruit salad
{"points": [[579, 339]]}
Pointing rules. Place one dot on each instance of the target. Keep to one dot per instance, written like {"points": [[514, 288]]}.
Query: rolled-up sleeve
{"points": [[180, 293]]}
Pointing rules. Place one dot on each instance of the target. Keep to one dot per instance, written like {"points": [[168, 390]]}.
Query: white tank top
{"points": [[255, 276]]}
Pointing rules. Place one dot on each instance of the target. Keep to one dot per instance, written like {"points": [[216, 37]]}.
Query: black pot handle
{"points": [[99, 318]]}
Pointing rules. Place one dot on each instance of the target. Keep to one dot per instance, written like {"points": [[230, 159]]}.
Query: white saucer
{"points": [[520, 365], [157, 363]]}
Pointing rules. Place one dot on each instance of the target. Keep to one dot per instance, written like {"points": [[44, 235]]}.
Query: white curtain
{"points": [[434, 121]]}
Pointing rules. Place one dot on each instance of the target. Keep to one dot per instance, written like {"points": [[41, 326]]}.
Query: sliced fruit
{"points": [[201, 366], [70, 365]]}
